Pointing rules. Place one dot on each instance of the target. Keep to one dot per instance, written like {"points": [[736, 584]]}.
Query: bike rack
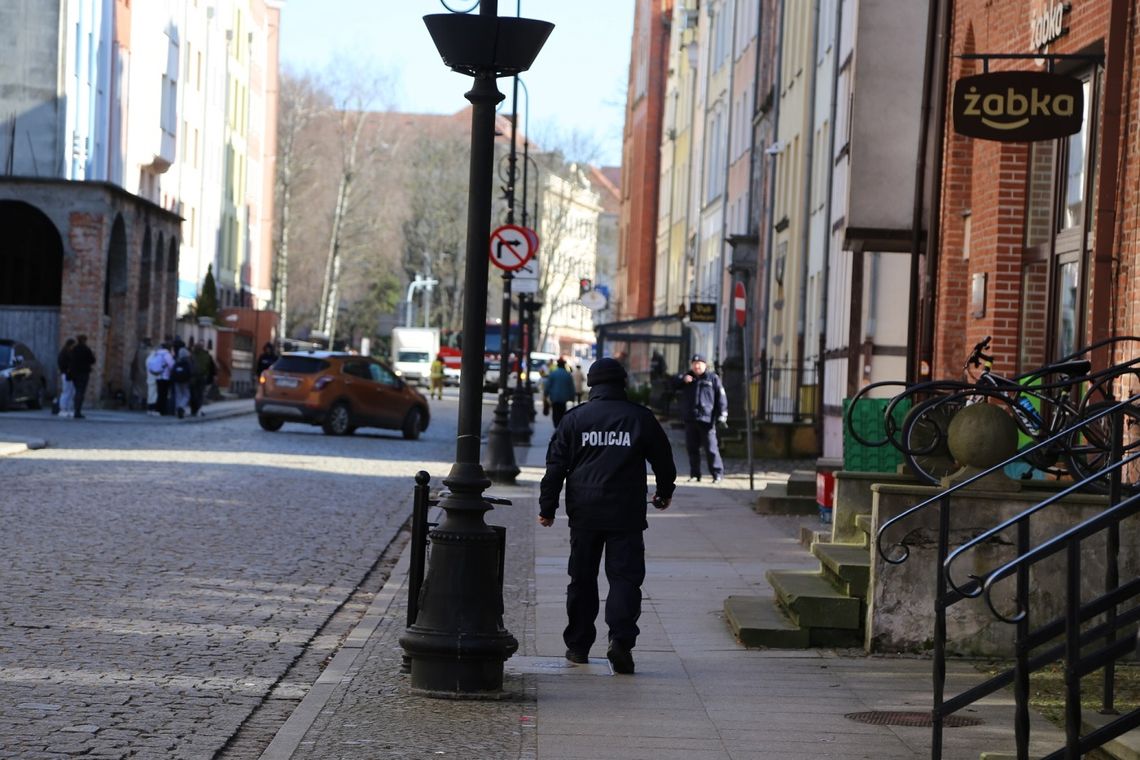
{"points": [[1119, 604]]}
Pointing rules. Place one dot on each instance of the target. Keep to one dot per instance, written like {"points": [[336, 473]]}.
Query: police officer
{"points": [[703, 401], [600, 450]]}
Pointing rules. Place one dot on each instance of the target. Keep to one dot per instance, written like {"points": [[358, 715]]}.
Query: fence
{"points": [[788, 392]]}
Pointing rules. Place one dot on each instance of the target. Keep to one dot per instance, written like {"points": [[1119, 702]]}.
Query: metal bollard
{"points": [[420, 504]]}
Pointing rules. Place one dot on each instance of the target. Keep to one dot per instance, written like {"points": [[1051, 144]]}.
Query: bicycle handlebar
{"points": [[977, 356]]}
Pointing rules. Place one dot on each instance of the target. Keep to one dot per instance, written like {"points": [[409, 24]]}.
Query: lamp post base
{"points": [[520, 418], [500, 464]]}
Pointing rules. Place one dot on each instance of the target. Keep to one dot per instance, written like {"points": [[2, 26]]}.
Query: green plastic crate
{"points": [[867, 419]]}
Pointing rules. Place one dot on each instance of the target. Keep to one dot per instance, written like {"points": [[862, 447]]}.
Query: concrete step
{"points": [[802, 483], [863, 523], [811, 601], [809, 536], [1123, 747], [774, 499], [848, 566], [759, 622]]}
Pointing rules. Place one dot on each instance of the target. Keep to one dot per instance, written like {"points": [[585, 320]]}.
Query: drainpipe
{"points": [[829, 233], [805, 220], [720, 270], [925, 126], [764, 313]]}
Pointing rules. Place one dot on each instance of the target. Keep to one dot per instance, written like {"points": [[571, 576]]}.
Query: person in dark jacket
{"points": [[703, 403], [79, 370], [599, 451]]}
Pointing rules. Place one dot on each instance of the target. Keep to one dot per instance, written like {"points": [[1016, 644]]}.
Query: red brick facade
{"points": [[1007, 213], [641, 159]]}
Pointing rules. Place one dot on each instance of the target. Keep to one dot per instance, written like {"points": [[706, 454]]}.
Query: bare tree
{"points": [[356, 93], [435, 225], [301, 102]]}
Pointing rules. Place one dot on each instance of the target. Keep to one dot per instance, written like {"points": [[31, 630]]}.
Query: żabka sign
{"points": [[1018, 106]]}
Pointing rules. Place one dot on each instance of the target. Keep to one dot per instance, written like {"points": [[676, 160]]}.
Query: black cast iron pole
{"points": [[458, 643], [501, 465]]}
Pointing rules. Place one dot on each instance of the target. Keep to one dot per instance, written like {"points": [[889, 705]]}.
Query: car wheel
{"points": [[411, 428], [272, 424], [338, 421], [37, 401]]}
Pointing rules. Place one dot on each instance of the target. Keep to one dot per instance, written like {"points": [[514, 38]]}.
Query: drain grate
{"points": [[903, 718]]}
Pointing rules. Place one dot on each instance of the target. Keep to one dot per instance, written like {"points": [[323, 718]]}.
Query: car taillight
{"points": [[322, 381]]}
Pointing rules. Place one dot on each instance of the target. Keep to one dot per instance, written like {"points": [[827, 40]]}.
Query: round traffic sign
{"points": [[512, 247], [740, 304]]}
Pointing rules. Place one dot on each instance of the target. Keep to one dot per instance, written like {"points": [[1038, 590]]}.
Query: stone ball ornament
{"points": [[982, 435]]}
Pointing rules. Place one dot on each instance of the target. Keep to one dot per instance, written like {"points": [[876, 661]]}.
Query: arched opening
{"points": [[31, 257], [116, 315], [143, 305]]}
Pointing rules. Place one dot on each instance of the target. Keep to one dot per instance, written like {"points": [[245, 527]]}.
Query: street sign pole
{"points": [[746, 338]]}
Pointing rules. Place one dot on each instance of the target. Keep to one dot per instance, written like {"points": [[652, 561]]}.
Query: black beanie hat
{"points": [[605, 370]]}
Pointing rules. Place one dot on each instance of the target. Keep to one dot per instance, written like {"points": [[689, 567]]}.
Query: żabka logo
{"points": [[1017, 106], [1049, 25]]}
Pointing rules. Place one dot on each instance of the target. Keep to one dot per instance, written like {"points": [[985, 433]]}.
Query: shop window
{"points": [[1060, 182]]}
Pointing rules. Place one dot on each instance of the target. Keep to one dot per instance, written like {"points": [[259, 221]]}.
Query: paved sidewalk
{"points": [[697, 693]]}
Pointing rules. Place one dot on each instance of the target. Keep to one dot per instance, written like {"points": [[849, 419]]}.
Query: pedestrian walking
{"points": [[579, 383], [599, 451], [65, 401], [703, 404], [158, 364], [558, 390], [437, 376], [79, 366], [180, 376], [266, 359], [201, 378]]}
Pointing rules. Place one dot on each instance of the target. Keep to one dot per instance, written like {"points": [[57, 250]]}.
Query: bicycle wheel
{"points": [[1090, 447], [925, 436]]}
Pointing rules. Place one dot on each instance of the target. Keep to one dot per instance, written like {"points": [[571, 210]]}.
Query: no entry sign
{"points": [[740, 304]]}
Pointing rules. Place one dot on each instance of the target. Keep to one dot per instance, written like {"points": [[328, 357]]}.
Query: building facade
{"points": [[113, 161]]}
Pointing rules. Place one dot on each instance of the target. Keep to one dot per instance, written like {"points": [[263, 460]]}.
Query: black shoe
{"points": [[695, 478], [621, 660], [579, 658], [79, 416], [718, 478]]}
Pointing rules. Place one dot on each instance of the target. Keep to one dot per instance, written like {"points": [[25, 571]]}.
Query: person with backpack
{"points": [[180, 375], [158, 365]]}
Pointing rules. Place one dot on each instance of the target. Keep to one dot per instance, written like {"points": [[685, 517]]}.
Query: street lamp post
{"points": [[458, 643]]}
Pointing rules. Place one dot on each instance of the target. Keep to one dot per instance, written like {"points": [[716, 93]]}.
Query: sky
{"points": [[578, 82]]}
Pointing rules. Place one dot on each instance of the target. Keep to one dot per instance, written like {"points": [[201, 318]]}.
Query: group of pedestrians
{"points": [[178, 375], [74, 361]]}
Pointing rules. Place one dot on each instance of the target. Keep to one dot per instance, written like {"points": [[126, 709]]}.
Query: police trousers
{"points": [[700, 435], [625, 571]]}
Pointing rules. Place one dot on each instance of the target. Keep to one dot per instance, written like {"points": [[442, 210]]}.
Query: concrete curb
{"points": [[13, 448], [290, 735]]}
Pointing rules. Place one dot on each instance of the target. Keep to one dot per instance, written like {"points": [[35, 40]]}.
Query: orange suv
{"points": [[340, 392]]}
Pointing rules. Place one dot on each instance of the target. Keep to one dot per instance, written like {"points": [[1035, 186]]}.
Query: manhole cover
{"points": [[903, 718]]}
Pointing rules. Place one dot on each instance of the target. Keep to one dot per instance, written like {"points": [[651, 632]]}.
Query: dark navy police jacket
{"points": [[704, 399], [599, 450]]}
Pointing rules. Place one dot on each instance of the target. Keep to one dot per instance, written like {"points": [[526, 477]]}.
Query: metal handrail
{"points": [[948, 592], [944, 495]]}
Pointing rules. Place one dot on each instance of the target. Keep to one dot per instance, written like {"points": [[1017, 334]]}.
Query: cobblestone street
{"points": [[161, 579]]}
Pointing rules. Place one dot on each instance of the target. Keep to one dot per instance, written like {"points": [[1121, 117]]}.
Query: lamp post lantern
{"points": [[458, 643]]}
